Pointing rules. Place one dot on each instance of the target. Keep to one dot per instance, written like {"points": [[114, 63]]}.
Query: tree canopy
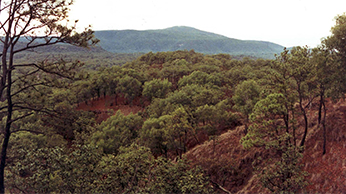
{"points": [[68, 129]]}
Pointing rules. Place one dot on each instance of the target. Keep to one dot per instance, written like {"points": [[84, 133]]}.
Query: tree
{"points": [[178, 130], [130, 87], [28, 25], [285, 175], [195, 95], [337, 41], [291, 75], [264, 130], [300, 67], [215, 117], [136, 170], [245, 97], [280, 170], [168, 132], [118, 130], [327, 81], [200, 78], [175, 70], [160, 107], [156, 88], [155, 135], [55, 170]]}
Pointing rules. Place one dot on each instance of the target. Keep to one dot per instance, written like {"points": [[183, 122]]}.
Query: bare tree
{"points": [[24, 26]]}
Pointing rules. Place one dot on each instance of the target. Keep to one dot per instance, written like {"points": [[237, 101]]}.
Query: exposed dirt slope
{"points": [[327, 173], [227, 162], [104, 107]]}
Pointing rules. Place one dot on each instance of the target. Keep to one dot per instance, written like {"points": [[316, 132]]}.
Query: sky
{"points": [[285, 22]]}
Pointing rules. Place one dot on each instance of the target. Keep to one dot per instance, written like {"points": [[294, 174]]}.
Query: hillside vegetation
{"points": [[181, 121], [182, 38], [155, 111]]}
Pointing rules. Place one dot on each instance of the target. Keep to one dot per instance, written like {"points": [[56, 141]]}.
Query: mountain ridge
{"points": [[182, 38]]}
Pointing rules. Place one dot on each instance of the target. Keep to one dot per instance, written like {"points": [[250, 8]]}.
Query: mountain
{"points": [[182, 38]]}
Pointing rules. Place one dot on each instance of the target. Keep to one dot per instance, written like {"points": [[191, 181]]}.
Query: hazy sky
{"points": [[289, 22]]}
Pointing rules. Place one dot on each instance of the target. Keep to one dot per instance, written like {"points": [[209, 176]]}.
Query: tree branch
{"points": [[220, 187], [28, 130], [21, 117], [43, 110], [28, 46]]}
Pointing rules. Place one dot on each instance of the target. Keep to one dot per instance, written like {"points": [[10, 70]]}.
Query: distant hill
{"points": [[93, 57], [182, 38]]}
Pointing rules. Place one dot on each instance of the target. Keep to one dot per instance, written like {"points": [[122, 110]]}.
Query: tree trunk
{"points": [[324, 129], [246, 124], [294, 129], [7, 135], [320, 107], [7, 132], [306, 127], [305, 117]]}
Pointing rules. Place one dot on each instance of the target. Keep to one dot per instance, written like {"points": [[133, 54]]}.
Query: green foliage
{"points": [[155, 135], [47, 170], [135, 170], [128, 172], [285, 175], [174, 70], [333, 55], [130, 87], [264, 131], [244, 70], [168, 132], [179, 128], [336, 42], [245, 97], [215, 117], [156, 88], [189, 93], [200, 78], [117, 131], [178, 178], [282, 171], [86, 170], [160, 107], [195, 95]]}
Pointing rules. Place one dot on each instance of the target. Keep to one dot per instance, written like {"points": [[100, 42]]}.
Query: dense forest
{"points": [[166, 122]]}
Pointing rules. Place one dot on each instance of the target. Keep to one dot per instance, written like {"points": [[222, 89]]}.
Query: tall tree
{"points": [[327, 82], [246, 96], [291, 75], [300, 67], [26, 25], [285, 175], [335, 43]]}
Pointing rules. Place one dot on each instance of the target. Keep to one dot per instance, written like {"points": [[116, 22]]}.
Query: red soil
{"points": [[327, 173], [104, 107]]}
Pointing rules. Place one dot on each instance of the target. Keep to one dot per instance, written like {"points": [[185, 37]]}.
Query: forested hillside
{"points": [[183, 38], [165, 122], [229, 117]]}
